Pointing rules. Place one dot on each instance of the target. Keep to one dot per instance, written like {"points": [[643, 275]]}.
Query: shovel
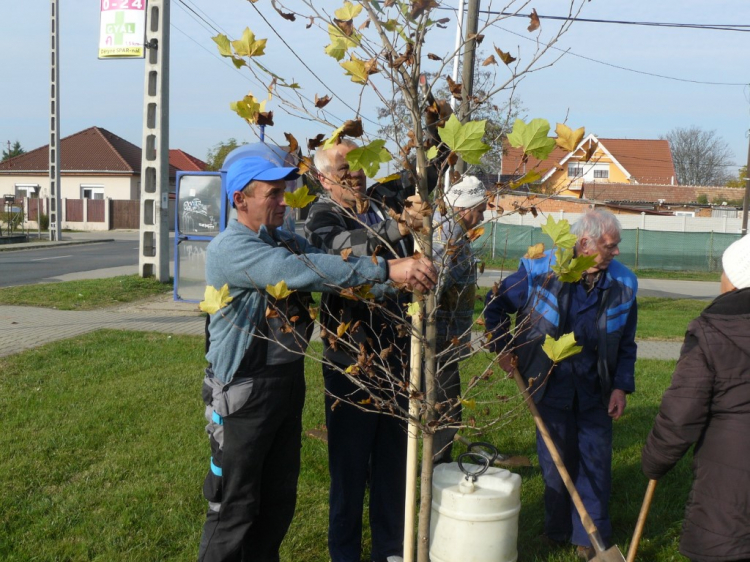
{"points": [[603, 554], [641, 520]]}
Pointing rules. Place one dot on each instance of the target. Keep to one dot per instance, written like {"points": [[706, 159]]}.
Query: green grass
{"points": [[85, 294], [105, 454], [658, 318]]}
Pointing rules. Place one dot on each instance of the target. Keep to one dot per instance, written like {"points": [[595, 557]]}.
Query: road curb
{"points": [[45, 245]]}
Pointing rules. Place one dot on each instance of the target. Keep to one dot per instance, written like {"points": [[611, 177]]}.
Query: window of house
{"points": [[603, 174], [27, 190], [575, 170], [92, 191]]}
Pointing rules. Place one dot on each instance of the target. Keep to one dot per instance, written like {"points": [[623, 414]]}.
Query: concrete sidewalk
{"points": [[25, 327]]}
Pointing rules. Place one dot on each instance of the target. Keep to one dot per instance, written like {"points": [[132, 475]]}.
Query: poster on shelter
{"points": [[123, 29]]}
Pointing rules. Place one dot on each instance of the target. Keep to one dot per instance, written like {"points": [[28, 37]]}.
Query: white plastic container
{"points": [[474, 522]]}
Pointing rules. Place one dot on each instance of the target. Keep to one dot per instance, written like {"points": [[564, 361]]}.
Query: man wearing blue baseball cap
{"points": [[254, 388]]}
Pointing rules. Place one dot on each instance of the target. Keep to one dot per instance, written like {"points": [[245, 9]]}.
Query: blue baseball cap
{"points": [[246, 170]]}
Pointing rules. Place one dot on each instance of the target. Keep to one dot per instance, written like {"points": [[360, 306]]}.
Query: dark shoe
{"points": [[552, 543], [585, 552]]}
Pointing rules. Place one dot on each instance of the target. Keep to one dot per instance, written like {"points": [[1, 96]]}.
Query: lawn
{"points": [[85, 294], [105, 455]]}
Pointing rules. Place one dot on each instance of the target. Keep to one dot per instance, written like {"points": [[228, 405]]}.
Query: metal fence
{"points": [[639, 249]]}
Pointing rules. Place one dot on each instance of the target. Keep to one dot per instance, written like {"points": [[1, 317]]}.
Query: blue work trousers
{"points": [[584, 441], [363, 446]]}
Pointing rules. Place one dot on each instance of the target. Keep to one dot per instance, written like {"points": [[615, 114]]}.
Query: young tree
{"points": [[499, 116], [700, 157], [12, 151], [381, 46]]}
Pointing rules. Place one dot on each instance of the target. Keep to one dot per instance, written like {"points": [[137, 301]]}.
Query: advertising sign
{"points": [[123, 29]]}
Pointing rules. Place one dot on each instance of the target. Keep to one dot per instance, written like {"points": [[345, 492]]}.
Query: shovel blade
{"points": [[612, 554]]}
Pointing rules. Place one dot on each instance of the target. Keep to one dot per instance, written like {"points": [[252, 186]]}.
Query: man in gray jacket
{"points": [[254, 387]]}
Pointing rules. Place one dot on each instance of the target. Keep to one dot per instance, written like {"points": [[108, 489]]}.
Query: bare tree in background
{"points": [[700, 157]]}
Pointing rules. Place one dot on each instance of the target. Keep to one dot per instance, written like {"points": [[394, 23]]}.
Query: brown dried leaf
{"points": [[534, 212], [386, 352], [371, 66], [310, 23], [478, 37], [284, 15], [419, 7], [365, 24], [590, 151], [320, 103], [352, 128], [375, 253], [293, 144], [305, 165], [454, 88], [312, 144], [346, 27], [345, 253], [535, 23], [286, 329], [443, 20], [505, 57], [433, 57], [452, 158], [271, 312], [265, 118], [489, 60]]}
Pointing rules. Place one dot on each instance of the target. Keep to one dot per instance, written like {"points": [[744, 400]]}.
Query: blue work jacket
{"points": [[603, 321]]}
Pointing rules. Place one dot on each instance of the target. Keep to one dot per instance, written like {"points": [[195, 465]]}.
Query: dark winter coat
{"points": [[708, 404]]}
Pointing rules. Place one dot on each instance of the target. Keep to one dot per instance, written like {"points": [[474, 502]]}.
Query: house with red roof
{"points": [[94, 164], [595, 160]]}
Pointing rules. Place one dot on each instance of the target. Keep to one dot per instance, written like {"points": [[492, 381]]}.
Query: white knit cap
{"points": [[736, 263], [466, 193]]}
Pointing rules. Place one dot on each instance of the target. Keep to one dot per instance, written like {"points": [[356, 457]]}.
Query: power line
{"points": [[707, 26], [310, 70], [655, 75]]}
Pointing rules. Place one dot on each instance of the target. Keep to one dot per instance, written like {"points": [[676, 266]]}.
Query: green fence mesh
{"points": [[639, 249]]}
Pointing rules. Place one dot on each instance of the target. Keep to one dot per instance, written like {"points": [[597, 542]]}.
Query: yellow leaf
{"points": [[223, 43], [567, 138], [214, 300], [535, 252], [562, 348], [337, 48], [470, 404], [475, 233], [348, 11], [386, 179], [356, 69], [313, 310], [366, 401], [413, 309], [299, 198], [341, 330], [279, 291], [247, 46]]}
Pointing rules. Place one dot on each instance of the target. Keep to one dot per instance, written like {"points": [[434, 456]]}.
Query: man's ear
{"points": [[322, 180], [238, 198]]}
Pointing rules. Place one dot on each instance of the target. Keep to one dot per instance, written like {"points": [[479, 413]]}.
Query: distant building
{"points": [[94, 164], [595, 160]]}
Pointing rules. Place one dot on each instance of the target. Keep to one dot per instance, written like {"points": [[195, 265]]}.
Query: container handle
{"points": [[472, 475]]}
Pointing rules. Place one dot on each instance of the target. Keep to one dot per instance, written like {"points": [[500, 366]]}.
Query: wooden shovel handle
{"points": [[641, 520], [588, 523]]}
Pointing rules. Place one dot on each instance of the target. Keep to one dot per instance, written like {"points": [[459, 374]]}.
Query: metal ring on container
{"points": [[473, 474]]}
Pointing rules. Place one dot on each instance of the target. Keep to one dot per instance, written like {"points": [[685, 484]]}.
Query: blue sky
{"points": [[609, 102]]}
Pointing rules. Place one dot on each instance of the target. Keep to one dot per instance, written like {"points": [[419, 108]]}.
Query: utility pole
{"points": [[746, 200], [54, 152], [467, 70], [153, 255]]}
